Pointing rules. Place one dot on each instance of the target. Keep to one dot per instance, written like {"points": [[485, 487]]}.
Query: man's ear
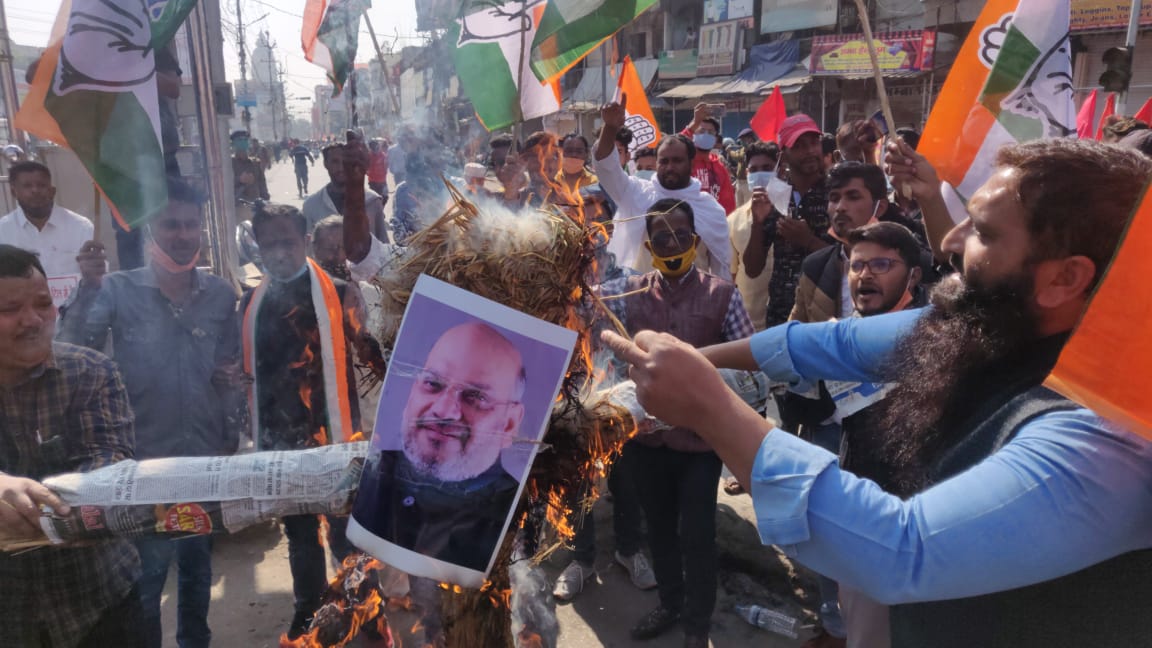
{"points": [[512, 423], [1060, 281], [914, 278], [648, 246]]}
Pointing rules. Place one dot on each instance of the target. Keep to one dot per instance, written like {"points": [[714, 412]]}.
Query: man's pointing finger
{"points": [[623, 348]]}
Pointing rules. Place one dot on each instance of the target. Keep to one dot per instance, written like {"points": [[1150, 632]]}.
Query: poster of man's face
{"points": [[466, 400]]}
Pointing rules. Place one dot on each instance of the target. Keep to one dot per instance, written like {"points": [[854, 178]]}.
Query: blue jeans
{"points": [[306, 556], [827, 436], [193, 587], [626, 514]]}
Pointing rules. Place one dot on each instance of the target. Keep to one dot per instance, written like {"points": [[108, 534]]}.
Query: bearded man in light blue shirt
{"points": [[1013, 517]]}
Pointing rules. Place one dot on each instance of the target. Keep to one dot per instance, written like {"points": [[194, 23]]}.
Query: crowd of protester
{"points": [[916, 465]]}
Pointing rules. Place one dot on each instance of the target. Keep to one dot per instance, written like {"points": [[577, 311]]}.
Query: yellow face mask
{"points": [[675, 266]]}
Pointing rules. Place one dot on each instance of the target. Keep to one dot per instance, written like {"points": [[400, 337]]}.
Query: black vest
{"points": [[1107, 605]]}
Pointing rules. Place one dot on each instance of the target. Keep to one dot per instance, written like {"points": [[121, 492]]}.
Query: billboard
{"points": [[1093, 15], [847, 54], [789, 15]]}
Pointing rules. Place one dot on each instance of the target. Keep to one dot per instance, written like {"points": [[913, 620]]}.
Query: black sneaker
{"points": [[655, 623], [301, 622]]}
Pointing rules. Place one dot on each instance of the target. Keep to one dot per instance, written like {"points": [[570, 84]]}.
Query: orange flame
{"points": [[351, 602]]}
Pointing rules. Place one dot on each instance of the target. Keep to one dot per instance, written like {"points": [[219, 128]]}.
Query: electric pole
{"points": [[8, 83], [284, 103], [272, 100], [245, 115]]}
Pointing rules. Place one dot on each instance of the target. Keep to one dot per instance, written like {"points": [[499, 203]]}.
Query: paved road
{"points": [[252, 588]]}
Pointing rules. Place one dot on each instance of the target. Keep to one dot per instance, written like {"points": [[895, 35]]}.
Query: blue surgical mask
{"points": [[645, 174], [760, 179], [704, 141]]}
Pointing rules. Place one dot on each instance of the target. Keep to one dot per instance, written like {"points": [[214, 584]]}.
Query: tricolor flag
{"points": [[1011, 82], [95, 93], [491, 54], [639, 120], [570, 29], [1107, 363], [330, 34]]}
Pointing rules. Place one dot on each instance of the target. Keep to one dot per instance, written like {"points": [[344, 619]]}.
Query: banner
{"points": [[721, 10], [1095, 15], [847, 54], [789, 15]]}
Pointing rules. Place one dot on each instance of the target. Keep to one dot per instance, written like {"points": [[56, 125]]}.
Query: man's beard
{"points": [[942, 368], [452, 469]]}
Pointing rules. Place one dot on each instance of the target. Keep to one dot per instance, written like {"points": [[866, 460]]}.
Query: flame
{"points": [[351, 602], [358, 436], [558, 513], [321, 436]]}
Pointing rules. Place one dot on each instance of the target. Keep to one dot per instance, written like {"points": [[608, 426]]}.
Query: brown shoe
{"points": [[825, 640]]}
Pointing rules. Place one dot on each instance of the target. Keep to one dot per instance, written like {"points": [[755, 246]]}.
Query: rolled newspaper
{"points": [[182, 496]]}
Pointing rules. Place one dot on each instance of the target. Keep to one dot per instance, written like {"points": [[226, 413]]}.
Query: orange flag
{"points": [[1107, 364], [1109, 110], [639, 119]]}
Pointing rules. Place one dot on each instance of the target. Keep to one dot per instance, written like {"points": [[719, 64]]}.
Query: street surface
{"points": [[252, 585]]}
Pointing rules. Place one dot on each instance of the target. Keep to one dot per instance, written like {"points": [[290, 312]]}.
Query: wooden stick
{"points": [[881, 89]]}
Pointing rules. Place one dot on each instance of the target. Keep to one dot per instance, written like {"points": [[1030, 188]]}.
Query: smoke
{"points": [[534, 620]]}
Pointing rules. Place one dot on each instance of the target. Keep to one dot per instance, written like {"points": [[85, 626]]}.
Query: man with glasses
{"points": [[857, 196], [446, 494], [674, 470]]}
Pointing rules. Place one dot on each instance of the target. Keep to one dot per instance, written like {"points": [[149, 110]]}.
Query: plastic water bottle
{"points": [[769, 619]]}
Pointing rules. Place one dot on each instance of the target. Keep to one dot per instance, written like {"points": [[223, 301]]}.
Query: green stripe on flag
{"points": [[1016, 59], [167, 16], [111, 133], [561, 40], [484, 74]]}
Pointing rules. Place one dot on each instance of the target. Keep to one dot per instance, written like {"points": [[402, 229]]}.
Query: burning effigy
{"points": [[538, 262]]}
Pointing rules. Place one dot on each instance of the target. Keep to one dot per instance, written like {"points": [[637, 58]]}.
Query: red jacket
{"points": [[714, 177], [378, 167]]}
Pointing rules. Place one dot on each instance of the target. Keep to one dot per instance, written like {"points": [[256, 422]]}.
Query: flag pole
{"points": [[518, 127], [383, 65], [881, 89]]}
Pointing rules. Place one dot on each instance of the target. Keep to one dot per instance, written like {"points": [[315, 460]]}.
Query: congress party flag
{"points": [[330, 34], [491, 54], [570, 29], [639, 120], [95, 93], [1011, 82], [1107, 363]]}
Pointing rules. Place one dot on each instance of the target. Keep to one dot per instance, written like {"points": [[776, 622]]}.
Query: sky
{"points": [[30, 23]]}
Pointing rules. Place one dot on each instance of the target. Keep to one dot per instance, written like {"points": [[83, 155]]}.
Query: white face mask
{"points": [[779, 193], [760, 179], [645, 174], [704, 141]]}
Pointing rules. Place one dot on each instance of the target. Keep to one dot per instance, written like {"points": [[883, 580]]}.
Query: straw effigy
{"points": [[537, 262]]}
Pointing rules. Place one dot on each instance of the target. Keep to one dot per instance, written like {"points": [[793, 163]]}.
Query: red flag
{"points": [[766, 122], [1084, 117], [1145, 112], [1109, 110]]}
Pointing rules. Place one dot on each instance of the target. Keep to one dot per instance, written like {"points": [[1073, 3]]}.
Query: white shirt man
{"points": [[57, 239]]}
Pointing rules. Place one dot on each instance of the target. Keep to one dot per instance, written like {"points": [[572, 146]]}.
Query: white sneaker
{"points": [[637, 567], [571, 581]]}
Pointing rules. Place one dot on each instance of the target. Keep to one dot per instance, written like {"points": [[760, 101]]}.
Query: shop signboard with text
{"points": [[847, 54]]}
